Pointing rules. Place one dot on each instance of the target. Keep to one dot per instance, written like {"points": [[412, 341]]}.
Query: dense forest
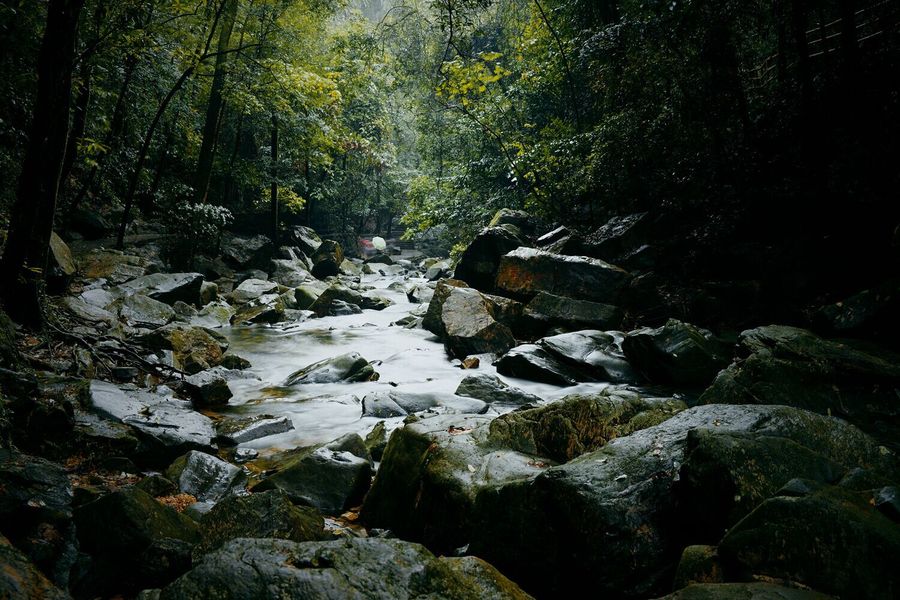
{"points": [[653, 218]]}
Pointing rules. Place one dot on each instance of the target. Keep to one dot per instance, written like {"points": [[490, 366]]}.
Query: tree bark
{"points": [[273, 191], [24, 261], [214, 106]]}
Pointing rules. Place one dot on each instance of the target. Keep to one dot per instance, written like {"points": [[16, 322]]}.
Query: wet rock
{"points": [[520, 219], [438, 270], [698, 564], [87, 312], [233, 362], [467, 320], [209, 292], [156, 485], [247, 569], [492, 390], [419, 294], [552, 236], [232, 432], [855, 545], [205, 477], [388, 404], [251, 289], [350, 367], [887, 501], [325, 304], [327, 259], [726, 475], [430, 474], [269, 308], [262, 515], [61, 264], [579, 424], [137, 310], [380, 258], [88, 223], [743, 591], [167, 287], [547, 310], [20, 578], [526, 272], [207, 388], [36, 513], [112, 265], [331, 481], [432, 319], [794, 367], [622, 500], [215, 314], [244, 253], [677, 353], [290, 273], [480, 261], [305, 238], [352, 443], [195, 348], [135, 543], [376, 441], [618, 236], [166, 427], [350, 268], [531, 362], [306, 294], [596, 354]]}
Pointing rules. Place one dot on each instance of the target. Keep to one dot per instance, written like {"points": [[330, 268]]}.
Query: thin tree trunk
{"points": [[79, 122], [214, 106], [24, 261], [273, 191]]}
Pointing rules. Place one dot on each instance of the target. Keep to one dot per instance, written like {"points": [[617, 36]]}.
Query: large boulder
{"points": [[89, 224], [61, 264], [597, 354], [137, 310], [167, 287], [135, 543], [547, 310], [795, 367], [268, 308], [305, 238], [246, 253], [325, 303], [327, 259], [112, 265], [492, 389], [579, 424], [391, 403], [620, 235], [289, 272], [36, 514], [532, 362], [205, 477], [19, 578], [479, 262], [520, 219], [525, 272], [380, 569], [329, 480], [207, 388], [430, 474], [195, 348], [469, 326], [743, 591], [623, 501], [251, 289], [348, 368], [677, 353], [263, 515], [231, 432], [855, 546], [166, 427]]}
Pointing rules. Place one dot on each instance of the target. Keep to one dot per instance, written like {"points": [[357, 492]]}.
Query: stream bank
{"points": [[503, 411]]}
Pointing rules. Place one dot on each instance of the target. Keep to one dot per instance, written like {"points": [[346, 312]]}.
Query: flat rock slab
{"points": [[167, 287], [166, 427], [377, 569]]}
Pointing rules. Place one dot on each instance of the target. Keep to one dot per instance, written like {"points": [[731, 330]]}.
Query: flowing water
{"points": [[408, 360]]}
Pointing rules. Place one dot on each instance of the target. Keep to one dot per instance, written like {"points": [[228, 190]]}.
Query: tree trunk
{"points": [[24, 261], [79, 122], [273, 191], [214, 106]]}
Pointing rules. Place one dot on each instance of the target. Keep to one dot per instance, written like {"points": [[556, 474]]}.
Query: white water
{"points": [[408, 360]]}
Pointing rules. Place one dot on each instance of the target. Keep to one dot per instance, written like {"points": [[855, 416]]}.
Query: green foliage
{"points": [[192, 230]]}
